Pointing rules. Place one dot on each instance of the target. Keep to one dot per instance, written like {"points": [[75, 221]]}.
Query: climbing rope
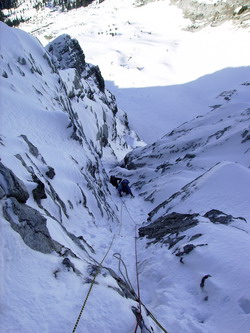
{"points": [[139, 316], [92, 284], [122, 204], [126, 278], [97, 272]]}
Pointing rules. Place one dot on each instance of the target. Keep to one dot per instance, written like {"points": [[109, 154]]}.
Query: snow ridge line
{"points": [[139, 317]]}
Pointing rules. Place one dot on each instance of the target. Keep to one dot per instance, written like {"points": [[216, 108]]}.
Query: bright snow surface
{"points": [[161, 76], [157, 71]]}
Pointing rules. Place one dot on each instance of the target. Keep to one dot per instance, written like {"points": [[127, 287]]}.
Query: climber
{"points": [[124, 187], [115, 181]]}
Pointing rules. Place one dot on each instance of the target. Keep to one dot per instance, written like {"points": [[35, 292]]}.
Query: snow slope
{"points": [[195, 265], [57, 212], [193, 280]]}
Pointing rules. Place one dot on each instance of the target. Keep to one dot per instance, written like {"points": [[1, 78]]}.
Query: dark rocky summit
{"points": [[67, 52]]}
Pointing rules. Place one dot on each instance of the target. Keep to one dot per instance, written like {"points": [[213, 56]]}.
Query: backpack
{"points": [[124, 182]]}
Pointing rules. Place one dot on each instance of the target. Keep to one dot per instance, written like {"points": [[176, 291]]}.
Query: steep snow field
{"points": [[41, 128], [157, 71], [161, 76]]}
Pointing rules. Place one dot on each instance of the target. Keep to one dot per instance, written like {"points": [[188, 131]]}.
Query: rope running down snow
{"points": [[138, 285], [139, 318], [125, 278], [118, 256], [97, 272], [91, 286]]}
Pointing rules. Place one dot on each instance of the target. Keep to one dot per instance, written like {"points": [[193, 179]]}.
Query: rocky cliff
{"points": [[203, 13], [60, 128]]}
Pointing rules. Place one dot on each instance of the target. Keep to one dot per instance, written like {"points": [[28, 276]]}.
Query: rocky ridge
{"points": [[203, 13], [192, 148], [54, 147]]}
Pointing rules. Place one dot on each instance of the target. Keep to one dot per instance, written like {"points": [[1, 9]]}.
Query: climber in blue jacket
{"points": [[124, 187]]}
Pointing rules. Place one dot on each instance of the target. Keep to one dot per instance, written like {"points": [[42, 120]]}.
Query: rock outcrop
{"points": [[69, 121], [169, 229], [203, 13], [11, 186]]}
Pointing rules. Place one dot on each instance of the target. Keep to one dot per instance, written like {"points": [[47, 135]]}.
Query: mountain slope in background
{"points": [[194, 147], [155, 68], [203, 13]]}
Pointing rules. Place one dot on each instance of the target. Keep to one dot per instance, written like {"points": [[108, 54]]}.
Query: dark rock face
{"points": [[95, 73], [50, 173], [103, 135], [169, 229], [187, 249], [33, 150], [68, 264], [27, 221], [169, 224], [216, 216], [39, 192], [11, 185], [68, 53], [30, 224]]}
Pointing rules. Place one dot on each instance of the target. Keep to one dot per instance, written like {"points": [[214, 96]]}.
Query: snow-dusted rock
{"points": [[68, 53], [169, 229], [48, 120], [12, 186], [215, 12], [30, 224]]}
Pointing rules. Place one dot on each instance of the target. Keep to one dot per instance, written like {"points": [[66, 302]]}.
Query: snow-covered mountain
{"points": [[201, 12], [65, 232], [196, 146], [196, 241], [60, 128]]}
